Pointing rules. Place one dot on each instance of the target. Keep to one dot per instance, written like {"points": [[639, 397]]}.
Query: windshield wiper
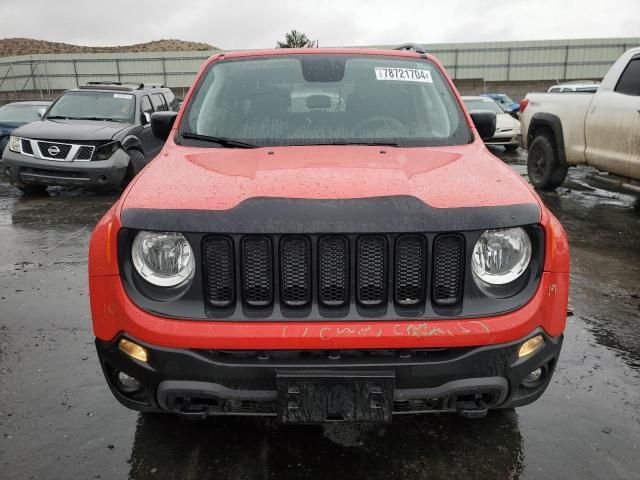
{"points": [[100, 119], [222, 141]]}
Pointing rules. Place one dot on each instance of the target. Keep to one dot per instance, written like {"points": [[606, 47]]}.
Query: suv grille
{"points": [[372, 266], [296, 271], [448, 264], [59, 151], [333, 271], [257, 271], [411, 254]]}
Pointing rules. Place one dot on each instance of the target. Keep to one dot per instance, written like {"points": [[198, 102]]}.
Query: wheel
{"points": [[543, 164], [32, 189], [137, 163], [511, 148]]}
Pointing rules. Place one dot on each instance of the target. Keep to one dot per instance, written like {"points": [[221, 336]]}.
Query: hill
{"points": [[27, 46]]}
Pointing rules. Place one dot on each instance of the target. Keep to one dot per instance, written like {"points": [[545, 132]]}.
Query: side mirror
{"points": [[485, 122], [145, 118], [162, 123], [41, 112]]}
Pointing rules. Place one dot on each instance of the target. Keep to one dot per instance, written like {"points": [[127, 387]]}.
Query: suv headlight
{"points": [[164, 259], [501, 256], [104, 152], [15, 144]]}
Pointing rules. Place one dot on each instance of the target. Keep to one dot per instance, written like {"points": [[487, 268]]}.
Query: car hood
{"points": [[7, 127], [78, 130], [220, 179]]}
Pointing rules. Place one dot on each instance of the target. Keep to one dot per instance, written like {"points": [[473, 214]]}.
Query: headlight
{"points": [[15, 144], [164, 259], [501, 256], [104, 152]]}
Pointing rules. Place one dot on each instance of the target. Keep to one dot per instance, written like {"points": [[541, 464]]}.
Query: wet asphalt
{"points": [[59, 420]]}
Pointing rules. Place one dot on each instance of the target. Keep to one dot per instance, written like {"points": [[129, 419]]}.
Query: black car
{"points": [[14, 115], [97, 136]]}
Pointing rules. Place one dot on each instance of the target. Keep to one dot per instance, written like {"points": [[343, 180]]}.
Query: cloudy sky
{"points": [[238, 24]]}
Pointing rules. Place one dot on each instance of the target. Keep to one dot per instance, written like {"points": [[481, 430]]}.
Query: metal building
{"points": [[507, 66]]}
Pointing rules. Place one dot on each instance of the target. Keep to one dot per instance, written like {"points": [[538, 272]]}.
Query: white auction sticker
{"points": [[122, 95], [403, 74]]}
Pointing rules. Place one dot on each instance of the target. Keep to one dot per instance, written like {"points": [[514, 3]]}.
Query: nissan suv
{"points": [[96, 136], [326, 238]]}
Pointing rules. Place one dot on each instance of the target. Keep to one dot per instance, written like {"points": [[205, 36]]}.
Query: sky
{"points": [[242, 24]]}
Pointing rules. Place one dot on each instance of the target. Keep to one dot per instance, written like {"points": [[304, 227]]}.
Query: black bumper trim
{"points": [[247, 386]]}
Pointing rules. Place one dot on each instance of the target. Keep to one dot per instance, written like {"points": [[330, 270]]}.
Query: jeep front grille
{"points": [[333, 253], [332, 272], [448, 255]]}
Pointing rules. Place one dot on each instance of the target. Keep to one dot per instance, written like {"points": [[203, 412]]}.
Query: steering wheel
{"points": [[378, 123]]}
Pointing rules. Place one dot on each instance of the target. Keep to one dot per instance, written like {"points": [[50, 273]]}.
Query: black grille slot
{"points": [[448, 265], [84, 153], [334, 271], [59, 151], [26, 147], [219, 271], [410, 270], [295, 271], [257, 271], [372, 268]]}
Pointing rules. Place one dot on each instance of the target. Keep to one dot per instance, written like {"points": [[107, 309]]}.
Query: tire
{"points": [[137, 163], [511, 148], [32, 189], [543, 165]]}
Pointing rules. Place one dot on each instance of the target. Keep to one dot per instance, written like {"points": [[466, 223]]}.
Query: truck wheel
{"points": [[543, 165], [32, 189], [136, 164]]}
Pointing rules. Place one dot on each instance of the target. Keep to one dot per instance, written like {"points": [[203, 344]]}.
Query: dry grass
{"points": [[27, 46]]}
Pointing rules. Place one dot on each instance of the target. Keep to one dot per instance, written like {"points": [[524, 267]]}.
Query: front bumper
{"points": [[200, 382], [23, 169], [508, 138]]}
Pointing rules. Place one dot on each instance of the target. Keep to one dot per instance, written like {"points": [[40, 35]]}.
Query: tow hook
{"points": [[475, 408]]}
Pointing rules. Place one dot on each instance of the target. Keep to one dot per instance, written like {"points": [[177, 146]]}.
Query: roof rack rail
{"points": [[110, 86], [152, 85], [411, 46], [121, 86]]}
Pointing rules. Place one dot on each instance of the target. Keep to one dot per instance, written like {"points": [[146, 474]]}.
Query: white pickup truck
{"points": [[600, 129]]}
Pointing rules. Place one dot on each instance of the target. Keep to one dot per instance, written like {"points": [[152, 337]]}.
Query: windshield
{"points": [[322, 100], [20, 113], [110, 106], [483, 105]]}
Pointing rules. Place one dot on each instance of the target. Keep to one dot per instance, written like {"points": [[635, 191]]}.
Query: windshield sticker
{"points": [[403, 74], [122, 95]]}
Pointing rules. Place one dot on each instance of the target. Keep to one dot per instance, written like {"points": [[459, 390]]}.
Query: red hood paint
{"points": [[221, 178]]}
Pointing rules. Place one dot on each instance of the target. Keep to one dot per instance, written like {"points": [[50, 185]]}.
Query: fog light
{"points": [[534, 376], [127, 382], [133, 350], [531, 346]]}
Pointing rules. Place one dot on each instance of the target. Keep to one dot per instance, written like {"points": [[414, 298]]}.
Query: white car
{"points": [[507, 128]]}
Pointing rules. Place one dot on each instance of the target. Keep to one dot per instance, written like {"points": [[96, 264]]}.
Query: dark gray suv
{"points": [[96, 136]]}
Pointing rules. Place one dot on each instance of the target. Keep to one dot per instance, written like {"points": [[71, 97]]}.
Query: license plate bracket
{"points": [[326, 396]]}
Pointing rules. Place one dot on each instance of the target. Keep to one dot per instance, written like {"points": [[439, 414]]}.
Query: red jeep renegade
{"points": [[324, 237]]}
